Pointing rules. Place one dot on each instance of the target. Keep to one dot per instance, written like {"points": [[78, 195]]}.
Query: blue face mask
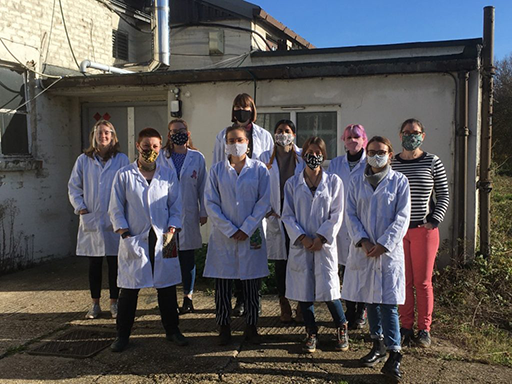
{"points": [[411, 142]]}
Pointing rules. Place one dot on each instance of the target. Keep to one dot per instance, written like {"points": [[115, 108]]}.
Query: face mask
{"points": [[411, 142], [377, 161], [284, 139], [313, 161], [149, 155], [242, 115], [179, 138], [237, 149]]}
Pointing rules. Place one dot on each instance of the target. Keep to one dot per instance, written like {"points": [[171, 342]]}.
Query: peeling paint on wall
{"points": [[16, 248]]}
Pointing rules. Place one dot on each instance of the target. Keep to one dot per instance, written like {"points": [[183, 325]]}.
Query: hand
{"points": [[317, 245], [203, 220], [83, 212], [376, 251], [307, 242], [427, 225], [367, 245], [122, 230], [240, 236]]}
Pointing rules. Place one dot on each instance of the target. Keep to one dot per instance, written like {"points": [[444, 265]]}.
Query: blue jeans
{"points": [[308, 313], [383, 320], [188, 270]]}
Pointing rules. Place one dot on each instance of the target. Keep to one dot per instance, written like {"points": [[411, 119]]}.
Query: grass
{"points": [[474, 301]]}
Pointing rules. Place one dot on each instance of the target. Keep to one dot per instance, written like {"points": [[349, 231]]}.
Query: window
{"points": [[310, 121], [119, 45], [14, 137]]}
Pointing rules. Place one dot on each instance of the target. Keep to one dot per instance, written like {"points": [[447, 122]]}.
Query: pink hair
{"points": [[355, 130]]}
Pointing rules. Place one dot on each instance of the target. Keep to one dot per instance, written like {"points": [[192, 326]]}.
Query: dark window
{"points": [[119, 45], [13, 126]]}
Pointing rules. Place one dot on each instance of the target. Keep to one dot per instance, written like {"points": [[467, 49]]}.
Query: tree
{"points": [[502, 116]]}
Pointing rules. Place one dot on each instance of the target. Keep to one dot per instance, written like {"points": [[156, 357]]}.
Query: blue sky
{"points": [[338, 23]]}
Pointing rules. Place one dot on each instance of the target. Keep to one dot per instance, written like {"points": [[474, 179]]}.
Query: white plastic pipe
{"points": [[102, 67]]}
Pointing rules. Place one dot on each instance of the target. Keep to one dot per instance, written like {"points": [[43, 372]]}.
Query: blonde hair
{"points": [[93, 146]]}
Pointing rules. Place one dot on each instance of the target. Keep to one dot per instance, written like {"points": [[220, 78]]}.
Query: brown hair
{"points": [[114, 144], [243, 100], [382, 140], [235, 127], [316, 141], [412, 121], [291, 125], [169, 145], [148, 132]]}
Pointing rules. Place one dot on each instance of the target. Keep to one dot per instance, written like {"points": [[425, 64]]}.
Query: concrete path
{"points": [[39, 304]]}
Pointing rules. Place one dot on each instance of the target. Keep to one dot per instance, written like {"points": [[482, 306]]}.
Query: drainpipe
{"points": [[462, 167], [161, 32], [102, 67], [485, 183]]}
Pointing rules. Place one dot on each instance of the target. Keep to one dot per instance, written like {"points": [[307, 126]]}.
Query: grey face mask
{"points": [[411, 142]]}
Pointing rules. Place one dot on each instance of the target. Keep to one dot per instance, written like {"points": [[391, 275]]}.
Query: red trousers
{"points": [[420, 248]]}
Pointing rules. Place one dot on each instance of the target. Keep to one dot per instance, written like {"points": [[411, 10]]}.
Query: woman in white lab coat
{"points": [[346, 167], [312, 214], [89, 193], [282, 163], [190, 167], [244, 114], [377, 213], [237, 198], [145, 209]]}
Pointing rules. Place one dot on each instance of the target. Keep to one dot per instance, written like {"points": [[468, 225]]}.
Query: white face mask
{"points": [[377, 161], [236, 149], [284, 139]]}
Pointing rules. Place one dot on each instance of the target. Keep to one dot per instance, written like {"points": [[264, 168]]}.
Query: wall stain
{"points": [[16, 248]]}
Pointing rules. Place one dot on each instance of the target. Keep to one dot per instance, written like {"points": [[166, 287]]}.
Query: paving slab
{"points": [[45, 302]]}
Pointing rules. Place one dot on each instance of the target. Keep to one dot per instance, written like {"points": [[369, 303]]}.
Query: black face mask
{"points": [[179, 138], [242, 115]]}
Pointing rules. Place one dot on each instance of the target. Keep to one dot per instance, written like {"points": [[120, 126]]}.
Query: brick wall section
{"points": [[25, 26]]}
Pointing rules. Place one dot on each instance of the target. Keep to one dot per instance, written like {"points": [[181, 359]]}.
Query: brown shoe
{"points": [[286, 310], [298, 314]]}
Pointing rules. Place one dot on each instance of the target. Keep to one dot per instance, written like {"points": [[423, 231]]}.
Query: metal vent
{"points": [[119, 45]]}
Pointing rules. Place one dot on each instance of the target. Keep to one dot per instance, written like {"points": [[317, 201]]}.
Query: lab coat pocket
{"points": [[297, 260], [134, 247], [273, 227], [89, 222]]}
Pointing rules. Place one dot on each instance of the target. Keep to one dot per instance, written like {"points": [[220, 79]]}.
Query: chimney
{"points": [[161, 32]]}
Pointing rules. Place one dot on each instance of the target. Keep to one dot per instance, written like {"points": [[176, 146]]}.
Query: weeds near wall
{"points": [[16, 248]]}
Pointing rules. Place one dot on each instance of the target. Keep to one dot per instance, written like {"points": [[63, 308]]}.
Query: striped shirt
{"points": [[429, 187]]}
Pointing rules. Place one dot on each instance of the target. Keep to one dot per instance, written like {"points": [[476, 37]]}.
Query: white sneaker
{"points": [[93, 312], [113, 310]]}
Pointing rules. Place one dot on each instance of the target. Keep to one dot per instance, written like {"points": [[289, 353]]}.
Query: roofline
{"points": [[261, 14], [366, 48], [409, 65]]}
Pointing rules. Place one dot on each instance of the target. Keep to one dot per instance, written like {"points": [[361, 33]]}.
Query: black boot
{"points": [[225, 335], [391, 367], [376, 355]]}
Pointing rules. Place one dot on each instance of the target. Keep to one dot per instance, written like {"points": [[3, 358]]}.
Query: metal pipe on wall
{"points": [[161, 32], [485, 182], [462, 166]]}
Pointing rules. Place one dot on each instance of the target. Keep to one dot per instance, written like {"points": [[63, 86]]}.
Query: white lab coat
{"points": [[139, 207], [192, 182], [261, 141], [340, 167], [313, 276], [236, 202], [274, 231], [382, 216], [89, 188]]}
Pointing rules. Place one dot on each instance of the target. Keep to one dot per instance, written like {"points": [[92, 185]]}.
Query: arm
{"points": [[117, 204], [75, 187], [201, 184], [262, 206], [442, 193], [218, 149], [294, 229], [330, 228], [213, 206], [355, 228], [174, 202], [396, 231]]}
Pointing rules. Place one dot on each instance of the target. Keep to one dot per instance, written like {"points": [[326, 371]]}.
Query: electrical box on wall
{"points": [[216, 42], [176, 108]]}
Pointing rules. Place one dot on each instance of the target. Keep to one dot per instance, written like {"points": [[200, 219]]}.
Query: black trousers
{"points": [[95, 276], [250, 289], [167, 303], [280, 268]]}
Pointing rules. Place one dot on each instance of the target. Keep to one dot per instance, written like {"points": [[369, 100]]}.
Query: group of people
{"points": [[372, 216]]}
